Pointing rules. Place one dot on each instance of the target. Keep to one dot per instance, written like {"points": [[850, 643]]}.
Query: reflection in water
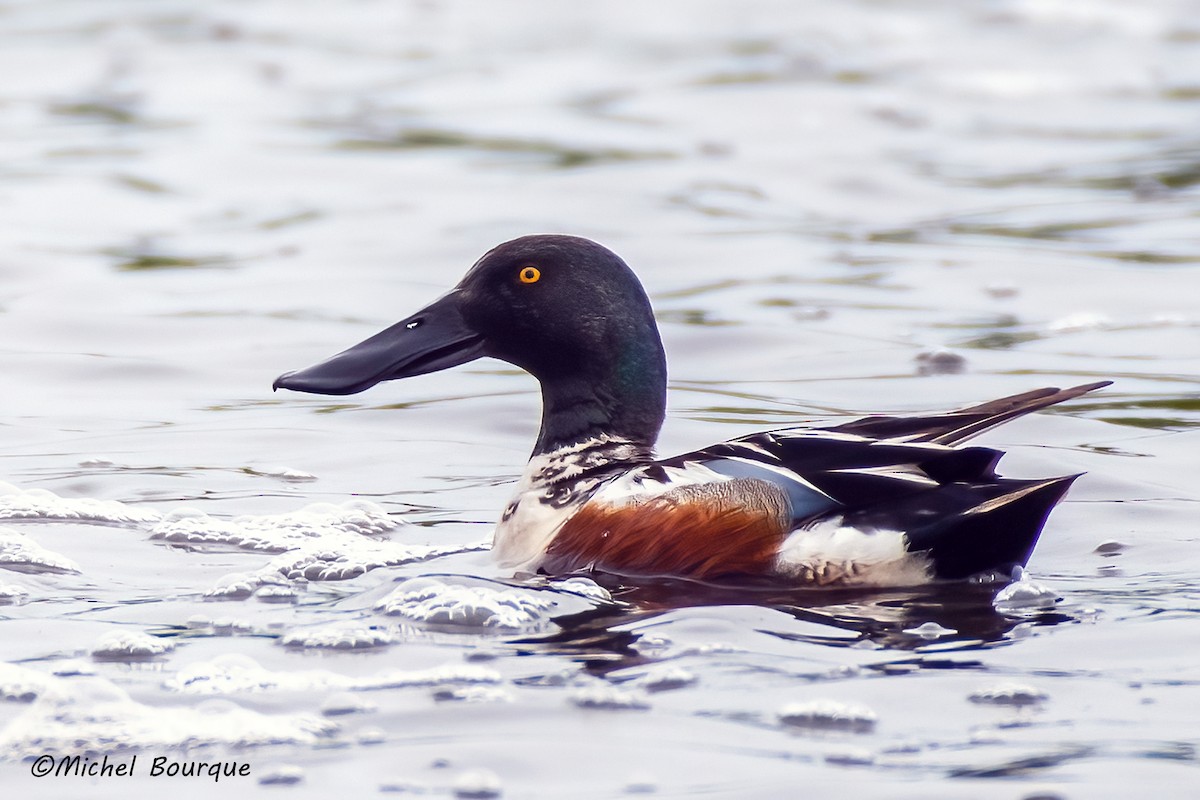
{"points": [[956, 616]]}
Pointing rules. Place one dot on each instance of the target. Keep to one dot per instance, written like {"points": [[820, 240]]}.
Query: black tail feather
{"points": [[957, 426], [997, 412], [996, 533]]}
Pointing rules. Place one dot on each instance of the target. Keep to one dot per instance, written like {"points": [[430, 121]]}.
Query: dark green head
{"points": [[565, 309]]}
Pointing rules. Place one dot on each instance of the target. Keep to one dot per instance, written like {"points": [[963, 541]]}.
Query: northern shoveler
{"points": [[879, 501]]}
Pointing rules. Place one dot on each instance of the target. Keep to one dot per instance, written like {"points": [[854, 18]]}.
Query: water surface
{"points": [[822, 200]]}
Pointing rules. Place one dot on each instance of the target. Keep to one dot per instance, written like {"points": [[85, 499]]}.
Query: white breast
{"points": [[526, 530], [552, 488]]}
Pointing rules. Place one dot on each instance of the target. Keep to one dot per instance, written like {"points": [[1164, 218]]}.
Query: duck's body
{"points": [[878, 501]]}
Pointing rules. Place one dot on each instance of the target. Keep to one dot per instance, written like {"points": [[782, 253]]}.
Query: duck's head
{"points": [[563, 308]]}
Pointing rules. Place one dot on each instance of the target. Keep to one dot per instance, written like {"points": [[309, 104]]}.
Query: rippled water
{"points": [[837, 208]]}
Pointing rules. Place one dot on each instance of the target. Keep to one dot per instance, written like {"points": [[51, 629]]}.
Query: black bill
{"points": [[436, 337]]}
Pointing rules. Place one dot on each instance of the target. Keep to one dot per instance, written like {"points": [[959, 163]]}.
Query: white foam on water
{"points": [[273, 593], [92, 715], [333, 557], [40, 505], [607, 697], [287, 474], [338, 636], [130, 646], [665, 678], [450, 674], [276, 533], [930, 630], [828, 715], [236, 586], [708, 649], [1024, 595], [477, 784], [22, 684], [220, 626], [234, 674], [20, 553], [12, 594], [584, 587], [467, 608], [1008, 694], [320, 542], [336, 558]]}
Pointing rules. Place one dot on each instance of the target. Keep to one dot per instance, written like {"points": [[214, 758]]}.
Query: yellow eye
{"points": [[529, 274]]}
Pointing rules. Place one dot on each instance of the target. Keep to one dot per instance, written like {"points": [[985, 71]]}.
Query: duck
{"points": [[883, 501]]}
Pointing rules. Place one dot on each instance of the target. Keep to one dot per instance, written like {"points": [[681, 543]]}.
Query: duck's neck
{"points": [[625, 399]]}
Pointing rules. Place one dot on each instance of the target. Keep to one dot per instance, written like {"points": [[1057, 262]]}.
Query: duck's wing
{"points": [[874, 460], [823, 470]]}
